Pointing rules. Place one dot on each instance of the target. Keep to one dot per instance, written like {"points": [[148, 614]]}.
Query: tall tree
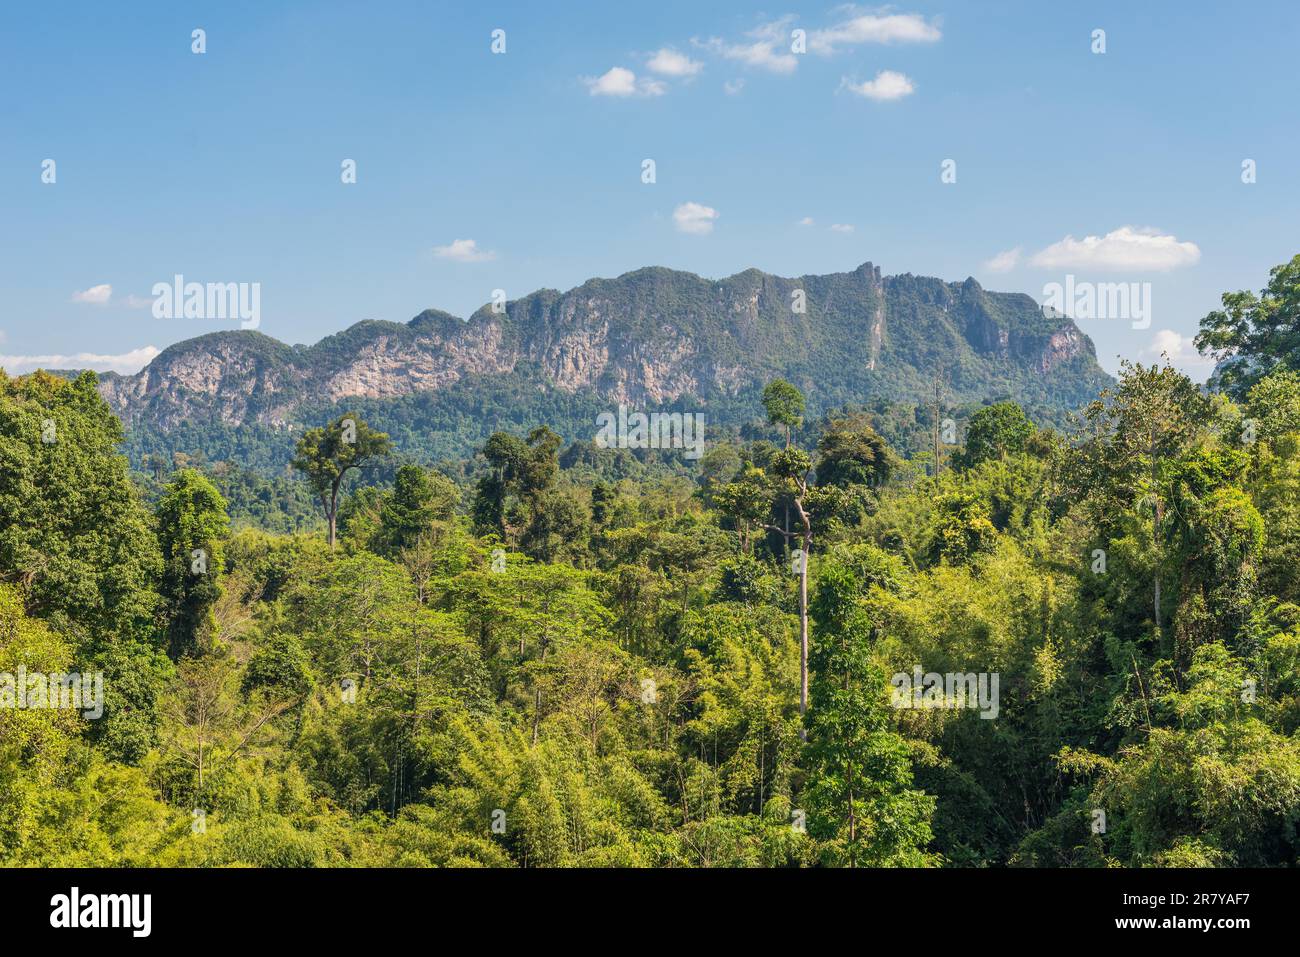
{"points": [[860, 796], [418, 500], [850, 452], [1154, 415], [509, 497], [326, 455], [784, 405], [73, 531], [192, 525], [791, 467], [994, 432], [1251, 335]]}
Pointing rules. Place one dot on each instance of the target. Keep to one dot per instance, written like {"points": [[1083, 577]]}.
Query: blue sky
{"points": [[225, 166]]}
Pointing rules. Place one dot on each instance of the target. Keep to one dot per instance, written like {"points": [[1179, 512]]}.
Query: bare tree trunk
{"points": [[1157, 599], [803, 620], [331, 516], [803, 642], [805, 538], [332, 513], [853, 814], [537, 712], [853, 823], [1155, 536], [537, 699]]}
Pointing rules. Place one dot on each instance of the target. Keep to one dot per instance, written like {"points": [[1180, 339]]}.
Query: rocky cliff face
{"points": [[646, 338]]}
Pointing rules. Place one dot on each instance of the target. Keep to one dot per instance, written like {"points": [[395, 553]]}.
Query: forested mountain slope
{"points": [[653, 338]]}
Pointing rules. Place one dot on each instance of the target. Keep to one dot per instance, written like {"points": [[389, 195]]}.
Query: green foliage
{"points": [[597, 660], [73, 532], [852, 453], [1254, 336], [419, 499], [863, 337], [784, 405], [994, 432], [192, 524], [860, 797], [326, 455]]}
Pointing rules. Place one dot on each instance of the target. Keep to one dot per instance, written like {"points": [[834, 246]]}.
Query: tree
{"points": [[360, 519], [192, 524], [1153, 417], [1252, 336], [994, 432], [792, 467], [326, 455], [35, 744], [209, 725], [850, 452], [558, 529], [73, 531], [743, 672], [558, 608], [418, 500], [962, 527], [860, 797], [1218, 538], [350, 612], [76, 541], [784, 405], [747, 501], [1273, 415], [790, 471], [1210, 785], [504, 453], [509, 496]]}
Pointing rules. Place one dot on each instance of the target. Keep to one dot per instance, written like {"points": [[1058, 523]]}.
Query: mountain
{"points": [[650, 338]]}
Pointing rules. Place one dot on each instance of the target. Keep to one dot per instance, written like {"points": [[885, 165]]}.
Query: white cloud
{"points": [[842, 227], [1126, 248], [620, 81], [768, 46], [765, 48], [874, 28], [694, 218], [127, 363], [1004, 261], [464, 251], [806, 221], [669, 62], [732, 87], [1182, 353], [95, 295], [888, 85]]}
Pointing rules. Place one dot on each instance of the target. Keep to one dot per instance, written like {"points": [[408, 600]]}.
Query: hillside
{"points": [[650, 338]]}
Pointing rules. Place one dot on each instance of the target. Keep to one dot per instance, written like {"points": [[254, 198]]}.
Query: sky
{"points": [[953, 139]]}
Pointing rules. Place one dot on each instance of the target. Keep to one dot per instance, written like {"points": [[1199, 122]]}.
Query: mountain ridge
{"points": [[648, 337]]}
